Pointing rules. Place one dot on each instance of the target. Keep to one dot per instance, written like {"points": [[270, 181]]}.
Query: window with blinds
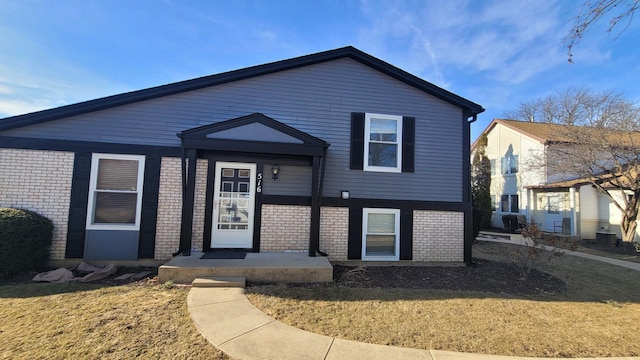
{"points": [[115, 191], [381, 234], [383, 142]]}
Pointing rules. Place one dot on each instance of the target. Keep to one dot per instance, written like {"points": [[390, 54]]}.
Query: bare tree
{"points": [[595, 137], [592, 11]]}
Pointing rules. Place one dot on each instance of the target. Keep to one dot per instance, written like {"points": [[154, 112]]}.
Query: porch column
{"points": [[314, 236], [572, 205], [532, 205], [188, 195]]}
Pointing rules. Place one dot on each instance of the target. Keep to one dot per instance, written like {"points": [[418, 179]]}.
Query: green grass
{"points": [[598, 316], [85, 321]]}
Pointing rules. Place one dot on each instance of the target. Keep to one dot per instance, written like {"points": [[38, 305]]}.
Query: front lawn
{"points": [[597, 314], [88, 321]]}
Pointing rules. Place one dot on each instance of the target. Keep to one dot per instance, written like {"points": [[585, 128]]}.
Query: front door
{"points": [[233, 205]]}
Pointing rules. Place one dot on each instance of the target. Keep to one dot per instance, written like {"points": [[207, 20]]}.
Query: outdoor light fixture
{"points": [[275, 171], [344, 194]]}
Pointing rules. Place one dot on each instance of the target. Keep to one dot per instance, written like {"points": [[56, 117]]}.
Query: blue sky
{"points": [[496, 53]]}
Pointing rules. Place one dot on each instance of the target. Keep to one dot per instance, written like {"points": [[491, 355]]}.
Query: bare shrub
{"points": [[540, 248]]}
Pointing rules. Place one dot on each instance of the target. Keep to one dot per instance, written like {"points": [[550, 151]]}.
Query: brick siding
{"points": [[438, 236], [199, 203], [39, 181], [285, 228], [169, 208], [334, 232]]}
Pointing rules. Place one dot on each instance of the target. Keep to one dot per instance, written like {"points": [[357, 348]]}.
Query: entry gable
{"points": [[255, 133]]}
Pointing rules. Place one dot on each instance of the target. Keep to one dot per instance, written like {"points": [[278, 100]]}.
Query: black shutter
{"points": [[406, 234], [408, 143], [76, 226], [148, 221], [357, 141], [354, 246]]}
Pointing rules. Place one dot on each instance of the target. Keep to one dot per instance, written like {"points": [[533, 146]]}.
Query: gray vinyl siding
{"points": [[111, 245], [292, 181], [317, 99]]}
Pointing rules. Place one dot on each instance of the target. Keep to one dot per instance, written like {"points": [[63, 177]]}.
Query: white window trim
{"points": [[367, 138], [92, 191], [365, 217]]}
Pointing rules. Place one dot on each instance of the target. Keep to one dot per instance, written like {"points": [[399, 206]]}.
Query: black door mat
{"points": [[224, 255]]}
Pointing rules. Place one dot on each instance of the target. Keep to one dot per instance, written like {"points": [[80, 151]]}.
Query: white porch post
{"points": [[529, 204], [572, 204], [532, 204]]}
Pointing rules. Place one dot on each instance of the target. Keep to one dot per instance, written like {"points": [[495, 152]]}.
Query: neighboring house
{"points": [[555, 202], [334, 153]]}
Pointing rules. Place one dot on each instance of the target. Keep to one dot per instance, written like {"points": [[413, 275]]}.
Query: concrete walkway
{"points": [[520, 240], [224, 316]]}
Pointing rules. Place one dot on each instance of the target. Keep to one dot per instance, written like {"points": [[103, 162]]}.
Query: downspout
{"points": [[321, 186], [468, 215]]}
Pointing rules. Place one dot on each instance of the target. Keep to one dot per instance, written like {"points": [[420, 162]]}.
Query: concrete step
{"points": [[220, 281]]}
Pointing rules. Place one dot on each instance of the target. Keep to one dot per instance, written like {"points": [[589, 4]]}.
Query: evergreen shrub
{"points": [[25, 239]]}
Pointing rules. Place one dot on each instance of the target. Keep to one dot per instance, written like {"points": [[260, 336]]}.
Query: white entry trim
{"points": [[233, 238]]}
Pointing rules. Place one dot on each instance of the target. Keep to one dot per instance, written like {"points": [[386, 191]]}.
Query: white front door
{"points": [[233, 205]]}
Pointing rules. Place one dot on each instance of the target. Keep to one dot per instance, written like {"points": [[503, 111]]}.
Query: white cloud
{"points": [[508, 41]]}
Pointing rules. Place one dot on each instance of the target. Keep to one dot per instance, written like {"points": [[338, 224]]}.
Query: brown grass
{"points": [[599, 314], [83, 321]]}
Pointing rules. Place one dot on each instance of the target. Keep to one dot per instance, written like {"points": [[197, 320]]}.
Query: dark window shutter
{"points": [[354, 246], [76, 226], [357, 141], [406, 234], [408, 143], [151, 189]]}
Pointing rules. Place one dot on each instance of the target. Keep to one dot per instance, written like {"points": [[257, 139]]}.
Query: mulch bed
{"points": [[483, 275]]}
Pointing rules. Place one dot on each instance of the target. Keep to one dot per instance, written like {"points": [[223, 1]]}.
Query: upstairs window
{"points": [[115, 192], [509, 164], [383, 143]]}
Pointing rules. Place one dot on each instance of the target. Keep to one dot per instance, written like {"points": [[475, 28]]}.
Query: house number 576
{"points": [[259, 183]]}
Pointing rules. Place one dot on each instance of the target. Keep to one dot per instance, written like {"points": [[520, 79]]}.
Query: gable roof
{"points": [[542, 132], [547, 133], [470, 108], [278, 138]]}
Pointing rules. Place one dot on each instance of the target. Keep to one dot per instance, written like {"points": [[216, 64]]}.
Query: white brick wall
{"points": [[199, 203], [169, 208], [438, 236], [285, 228], [334, 232], [39, 181]]}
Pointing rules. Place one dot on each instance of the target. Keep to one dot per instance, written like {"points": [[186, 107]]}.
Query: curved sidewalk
{"points": [[232, 324], [225, 317]]}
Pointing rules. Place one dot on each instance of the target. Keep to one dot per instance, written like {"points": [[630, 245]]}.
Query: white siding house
{"points": [[556, 202]]}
